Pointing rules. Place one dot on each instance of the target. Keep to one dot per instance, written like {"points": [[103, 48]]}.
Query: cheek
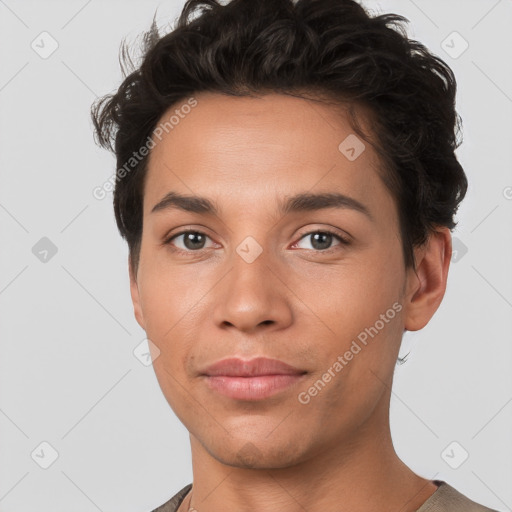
{"points": [[169, 300], [382, 280], [356, 296], [170, 291], [361, 306]]}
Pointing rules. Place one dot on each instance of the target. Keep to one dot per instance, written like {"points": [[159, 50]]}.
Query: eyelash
{"points": [[343, 241]]}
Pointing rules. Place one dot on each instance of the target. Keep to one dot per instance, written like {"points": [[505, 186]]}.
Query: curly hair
{"points": [[327, 48]]}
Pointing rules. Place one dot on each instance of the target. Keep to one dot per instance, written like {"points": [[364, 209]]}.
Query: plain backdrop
{"points": [[69, 377]]}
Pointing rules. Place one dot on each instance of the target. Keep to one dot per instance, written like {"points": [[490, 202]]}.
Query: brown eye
{"points": [[188, 241], [322, 240]]}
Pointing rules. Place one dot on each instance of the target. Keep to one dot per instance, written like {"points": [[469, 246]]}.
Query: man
{"points": [[287, 186]]}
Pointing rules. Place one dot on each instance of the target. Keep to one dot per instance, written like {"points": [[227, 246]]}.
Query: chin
{"points": [[263, 454]]}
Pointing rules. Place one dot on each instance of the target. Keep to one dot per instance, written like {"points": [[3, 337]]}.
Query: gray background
{"points": [[68, 374]]}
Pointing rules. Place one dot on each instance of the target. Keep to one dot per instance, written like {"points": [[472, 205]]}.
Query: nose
{"points": [[253, 296]]}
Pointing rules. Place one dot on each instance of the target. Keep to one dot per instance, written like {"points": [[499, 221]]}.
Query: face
{"points": [[319, 285]]}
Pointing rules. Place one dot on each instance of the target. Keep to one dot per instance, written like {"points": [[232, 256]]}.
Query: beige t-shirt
{"points": [[445, 499]]}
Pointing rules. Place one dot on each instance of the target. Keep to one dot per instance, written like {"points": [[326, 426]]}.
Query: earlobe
{"points": [[134, 292], [426, 287]]}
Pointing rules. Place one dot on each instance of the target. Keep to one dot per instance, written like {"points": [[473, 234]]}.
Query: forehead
{"points": [[254, 148]]}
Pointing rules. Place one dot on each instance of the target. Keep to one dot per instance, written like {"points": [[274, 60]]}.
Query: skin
{"points": [[295, 303]]}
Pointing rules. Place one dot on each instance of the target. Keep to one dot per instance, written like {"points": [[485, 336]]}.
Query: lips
{"points": [[234, 367], [254, 379]]}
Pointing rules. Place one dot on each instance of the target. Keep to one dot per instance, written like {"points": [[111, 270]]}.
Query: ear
{"points": [[426, 286], [134, 292]]}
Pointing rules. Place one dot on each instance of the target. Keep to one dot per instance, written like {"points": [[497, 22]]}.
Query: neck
{"points": [[359, 474]]}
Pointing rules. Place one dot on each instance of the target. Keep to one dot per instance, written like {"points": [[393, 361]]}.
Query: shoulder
{"points": [[449, 499], [173, 504], [445, 499]]}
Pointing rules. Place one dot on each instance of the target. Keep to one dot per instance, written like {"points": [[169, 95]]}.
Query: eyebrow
{"points": [[294, 204]]}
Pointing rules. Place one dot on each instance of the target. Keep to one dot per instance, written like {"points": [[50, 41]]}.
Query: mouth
{"points": [[255, 379]]}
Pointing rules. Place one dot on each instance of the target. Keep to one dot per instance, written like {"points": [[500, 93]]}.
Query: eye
{"points": [[321, 240], [193, 241]]}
